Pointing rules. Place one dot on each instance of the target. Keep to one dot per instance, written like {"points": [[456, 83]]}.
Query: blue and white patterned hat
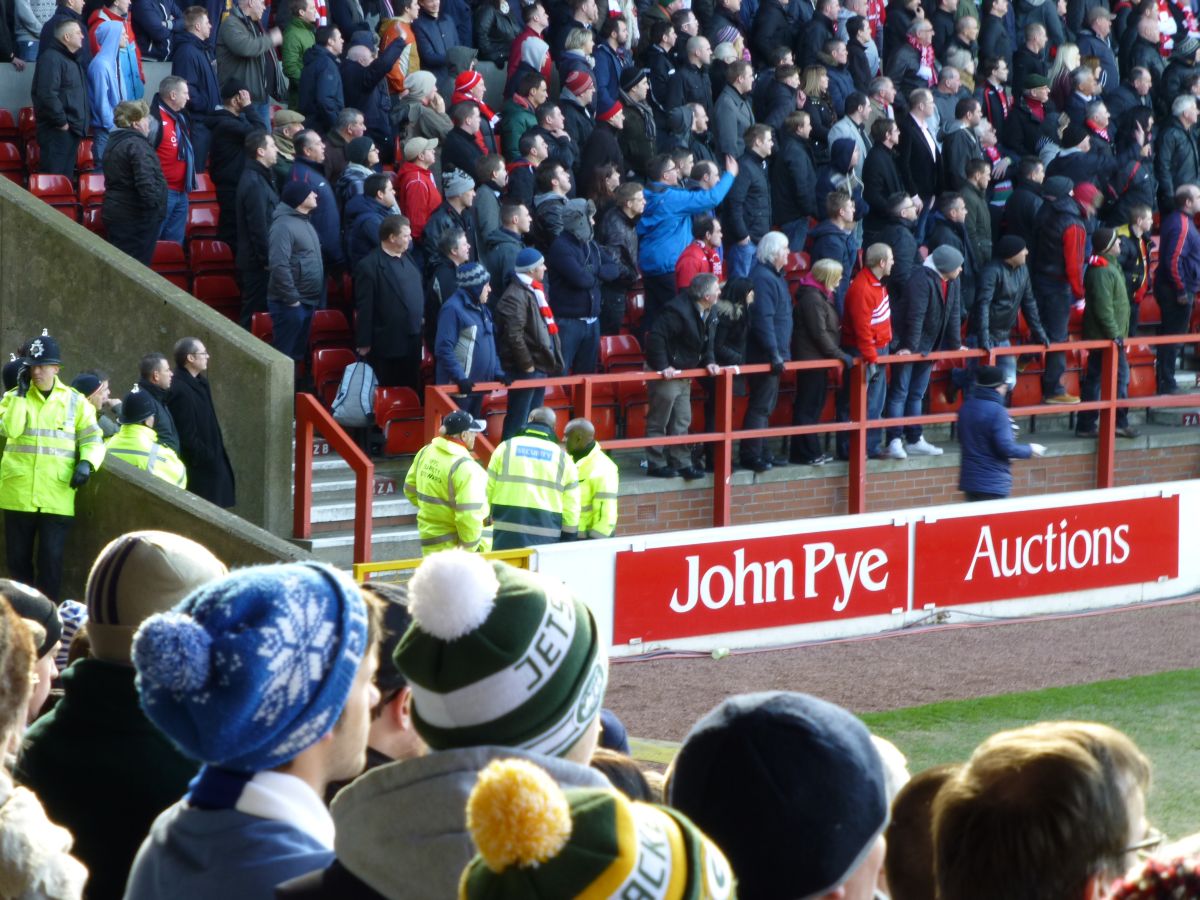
{"points": [[250, 670]]}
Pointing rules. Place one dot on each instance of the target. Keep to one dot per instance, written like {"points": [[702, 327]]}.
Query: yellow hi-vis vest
{"points": [[47, 435], [138, 445], [533, 487], [449, 490], [599, 482]]}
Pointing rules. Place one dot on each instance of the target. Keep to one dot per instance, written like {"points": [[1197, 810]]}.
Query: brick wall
{"points": [[917, 482]]}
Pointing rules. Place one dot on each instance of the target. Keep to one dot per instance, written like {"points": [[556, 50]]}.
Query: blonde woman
{"points": [[814, 82], [816, 332], [1065, 62]]}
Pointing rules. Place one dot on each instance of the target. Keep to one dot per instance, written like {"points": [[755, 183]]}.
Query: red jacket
{"points": [[697, 259], [417, 196], [867, 320]]}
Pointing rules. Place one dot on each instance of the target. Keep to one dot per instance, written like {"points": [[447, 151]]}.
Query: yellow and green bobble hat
{"points": [[539, 842], [499, 656]]}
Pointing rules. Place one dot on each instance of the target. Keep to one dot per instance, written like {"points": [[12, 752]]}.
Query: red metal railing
{"points": [[311, 416], [439, 401]]}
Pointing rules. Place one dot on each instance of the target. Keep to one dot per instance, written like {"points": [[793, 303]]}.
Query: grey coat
{"points": [[297, 275], [247, 53], [733, 115]]}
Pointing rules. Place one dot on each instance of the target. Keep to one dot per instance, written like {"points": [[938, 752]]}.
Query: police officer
{"points": [[599, 480], [54, 445], [137, 442], [533, 487], [449, 489]]}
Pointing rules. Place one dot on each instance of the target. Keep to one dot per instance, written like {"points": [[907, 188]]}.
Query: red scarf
{"points": [[1103, 132], [484, 113], [1035, 107], [1002, 95], [539, 294], [713, 256], [927, 57]]}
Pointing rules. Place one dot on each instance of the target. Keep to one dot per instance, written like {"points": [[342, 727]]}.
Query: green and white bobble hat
{"points": [[499, 656]]}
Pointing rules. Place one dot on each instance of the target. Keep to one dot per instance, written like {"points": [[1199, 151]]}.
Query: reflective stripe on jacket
{"points": [[46, 435], [533, 487], [599, 482], [449, 489], [138, 445]]}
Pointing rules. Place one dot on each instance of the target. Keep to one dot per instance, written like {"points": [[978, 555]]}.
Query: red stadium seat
{"points": [[1143, 380], [558, 400], [328, 364], [211, 258], [605, 410], [94, 222], [85, 160], [91, 189], [220, 292], [634, 406], [495, 408], [12, 166], [635, 308], [329, 329], [27, 124], [8, 127], [261, 327], [620, 353], [57, 191], [33, 157], [399, 413], [205, 192], [169, 262], [201, 223], [939, 383], [1149, 312]]}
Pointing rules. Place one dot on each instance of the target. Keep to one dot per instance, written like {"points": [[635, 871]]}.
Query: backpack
{"points": [[354, 405]]}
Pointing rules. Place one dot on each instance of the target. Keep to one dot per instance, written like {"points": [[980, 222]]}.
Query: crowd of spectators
{"points": [[980, 146], [279, 731]]}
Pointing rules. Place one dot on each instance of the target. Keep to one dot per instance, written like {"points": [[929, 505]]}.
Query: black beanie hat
{"points": [[32, 604], [989, 376], [1009, 246], [359, 149], [789, 786]]}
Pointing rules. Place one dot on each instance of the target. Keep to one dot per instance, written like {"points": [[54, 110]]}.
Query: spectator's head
{"points": [[967, 29], [879, 260], [662, 34], [264, 666], [1055, 805], [153, 369], [839, 206], [760, 140], [614, 31], [699, 51], [798, 123], [330, 37], [902, 207], [578, 437], [685, 23], [93, 384], [305, 10], [922, 30], [421, 87], [309, 146], [968, 111], [260, 146], [1089, 198], [553, 177], [579, 85], [465, 116], [635, 84], [491, 170], [707, 229], [532, 86], [705, 174], [133, 114], [834, 53], [815, 81], [1141, 219], [39, 611], [772, 250], [18, 656], [197, 23], [624, 774], [534, 17], [473, 279], [530, 262], [1141, 80], [533, 147], [537, 840], [68, 33], [978, 172], [350, 123], [788, 74], [827, 273], [765, 774], [174, 92], [705, 290], [392, 731], [630, 198], [908, 862], [455, 246], [738, 292], [421, 151], [1031, 170], [951, 205], [740, 75], [949, 80], [960, 59], [135, 576], [885, 132], [1148, 29], [287, 124], [882, 90], [459, 189], [856, 106], [191, 356], [946, 261], [1183, 108], [662, 169], [1037, 87], [920, 103], [1035, 36], [472, 622], [515, 218], [379, 187], [395, 234]]}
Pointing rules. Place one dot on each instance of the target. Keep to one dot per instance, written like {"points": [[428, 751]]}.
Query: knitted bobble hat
{"points": [[250, 670], [538, 842], [500, 656]]}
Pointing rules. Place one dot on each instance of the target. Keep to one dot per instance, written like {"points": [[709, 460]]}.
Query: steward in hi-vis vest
{"points": [[449, 489]]}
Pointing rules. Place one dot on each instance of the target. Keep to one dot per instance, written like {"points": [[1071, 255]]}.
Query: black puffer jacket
{"points": [[134, 186], [495, 31], [617, 235], [679, 338], [928, 321], [1001, 292]]}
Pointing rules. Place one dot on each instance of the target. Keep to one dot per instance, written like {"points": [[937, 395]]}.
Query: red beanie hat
{"points": [[611, 111], [578, 82]]}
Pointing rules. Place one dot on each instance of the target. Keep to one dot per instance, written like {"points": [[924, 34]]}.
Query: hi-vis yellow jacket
{"points": [[138, 445], [533, 487], [449, 489], [599, 482], [47, 434]]}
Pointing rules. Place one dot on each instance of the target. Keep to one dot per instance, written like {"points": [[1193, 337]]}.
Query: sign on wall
{"points": [[1045, 551], [697, 589]]}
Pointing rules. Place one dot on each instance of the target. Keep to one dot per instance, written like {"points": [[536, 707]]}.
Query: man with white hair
{"points": [[769, 341], [1177, 158]]}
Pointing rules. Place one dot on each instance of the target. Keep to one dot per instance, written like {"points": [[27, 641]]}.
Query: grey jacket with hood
{"points": [[297, 275], [401, 828]]}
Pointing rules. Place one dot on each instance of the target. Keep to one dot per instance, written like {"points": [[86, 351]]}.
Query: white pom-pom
{"points": [[452, 594]]}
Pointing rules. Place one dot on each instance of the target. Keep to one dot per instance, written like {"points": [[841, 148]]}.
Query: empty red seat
{"points": [[168, 259], [329, 329], [399, 413], [620, 353], [261, 327], [91, 189], [33, 157], [220, 292], [205, 192], [201, 223], [27, 124], [85, 160], [328, 364], [209, 257], [12, 166], [8, 126], [94, 222], [56, 190]]}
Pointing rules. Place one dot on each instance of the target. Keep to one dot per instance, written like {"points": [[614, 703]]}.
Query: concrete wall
{"points": [[121, 498], [107, 311]]}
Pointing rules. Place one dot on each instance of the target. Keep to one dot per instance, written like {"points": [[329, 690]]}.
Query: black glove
{"points": [[505, 379], [568, 537], [24, 378], [777, 367], [465, 385], [83, 471]]}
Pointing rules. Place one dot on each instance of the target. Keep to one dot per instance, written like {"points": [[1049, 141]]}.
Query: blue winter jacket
{"points": [[831, 242], [665, 228], [325, 217], [607, 67], [194, 62], [465, 346], [363, 217], [104, 81], [154, 36], [321, 97], [986, 437], [770, 338]]}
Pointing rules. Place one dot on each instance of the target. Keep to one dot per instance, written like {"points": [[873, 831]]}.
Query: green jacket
{"points": [[298, 36], [102, 770], [1106, 309], [515, 120]]}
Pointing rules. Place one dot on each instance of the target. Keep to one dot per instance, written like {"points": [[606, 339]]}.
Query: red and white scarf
{"points": [[539, 294], [927, 57]]}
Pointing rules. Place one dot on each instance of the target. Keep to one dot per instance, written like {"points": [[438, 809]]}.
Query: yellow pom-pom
{"points": [[517, 814]]}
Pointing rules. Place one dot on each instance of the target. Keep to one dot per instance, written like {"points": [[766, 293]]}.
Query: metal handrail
{"points": [[312, 416]]}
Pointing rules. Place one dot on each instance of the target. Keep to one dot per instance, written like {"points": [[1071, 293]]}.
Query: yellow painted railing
{"points": [[402, 569]]}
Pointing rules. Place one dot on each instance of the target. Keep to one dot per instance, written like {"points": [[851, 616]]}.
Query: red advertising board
{"points": [[698, 589], [1005, 556]]}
